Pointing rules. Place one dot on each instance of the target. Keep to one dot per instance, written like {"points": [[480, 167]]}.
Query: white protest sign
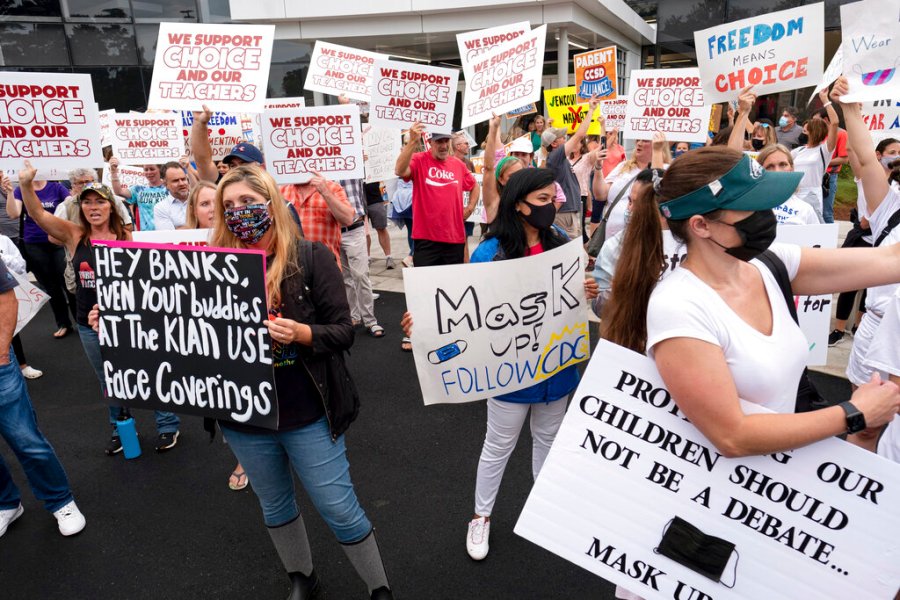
{"points": [[832, 72], [871, 32], [55, 126], [326, 139], [404, 93], [178, 237], [139, 139], [224, 131], [613, 113], [128, 176], [225, 67], [30, 297], [382, 147], [883, 119], [47, 174], [813, 312], [484, 329], [474, 43], [105, 118], [773, 52], [817, 522], [504, 78], [273, 103], [666, 100], [340, 70]]}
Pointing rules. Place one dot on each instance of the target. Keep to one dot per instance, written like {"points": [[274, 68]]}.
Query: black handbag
{"points": [[808, 397]]}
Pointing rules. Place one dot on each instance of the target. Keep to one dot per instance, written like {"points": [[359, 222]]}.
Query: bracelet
{"points": [[827, 104], [598, 167]]}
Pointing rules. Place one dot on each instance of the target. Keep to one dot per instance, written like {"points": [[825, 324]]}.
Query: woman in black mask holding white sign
{"points": [[310, 328], [523, 227]]}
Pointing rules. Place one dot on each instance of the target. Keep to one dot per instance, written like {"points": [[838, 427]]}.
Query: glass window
{"points": [[29, 8], [166, 10], [832, 11], [645, 8], [286, 81], [120, 88], [216, 11], [32, 44], [99, 9], [147, 36], [679, 19], [676, 55], [743, 9], [290, 51], [102, 44]]}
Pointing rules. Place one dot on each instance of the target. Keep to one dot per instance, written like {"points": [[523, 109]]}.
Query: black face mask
{"points": [[541, 216], [702, 553], [803, 139], [757, 144], [757, 233]]}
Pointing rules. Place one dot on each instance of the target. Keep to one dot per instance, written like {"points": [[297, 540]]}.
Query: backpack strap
{"points": [[892, 222], [776, 266]]}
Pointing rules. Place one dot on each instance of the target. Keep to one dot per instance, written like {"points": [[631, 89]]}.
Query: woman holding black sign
{"points": [[310, 327], [97, 221]]}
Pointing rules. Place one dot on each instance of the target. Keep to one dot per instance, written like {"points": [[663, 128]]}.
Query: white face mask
{"points": [[887, 159]]}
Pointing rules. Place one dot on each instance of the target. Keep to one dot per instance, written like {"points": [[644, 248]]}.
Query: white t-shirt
{"points": [[618, 179], [862, 209], [884, 350], [812, 163], [605, 267], [795, 212], [682, 305], [879, 297], [889, 444]]}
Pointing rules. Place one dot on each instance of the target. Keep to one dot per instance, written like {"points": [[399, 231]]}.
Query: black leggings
{"points": [[48, 263], [19, 350]]}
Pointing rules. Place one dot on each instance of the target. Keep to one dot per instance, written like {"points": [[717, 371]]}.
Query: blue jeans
{"points": [[166, 422], [828, 201], [323, 470], [18, 426]]}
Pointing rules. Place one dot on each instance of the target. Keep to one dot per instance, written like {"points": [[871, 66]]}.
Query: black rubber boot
{"points": [[382, 593], [305, 587]]}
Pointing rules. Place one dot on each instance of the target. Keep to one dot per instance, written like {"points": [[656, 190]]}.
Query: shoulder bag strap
{"points": [[892, 222], [618, 197], [776, 266]]}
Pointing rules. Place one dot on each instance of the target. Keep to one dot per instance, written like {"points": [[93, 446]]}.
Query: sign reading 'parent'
{"points": [[404, 93], [181, 329]]}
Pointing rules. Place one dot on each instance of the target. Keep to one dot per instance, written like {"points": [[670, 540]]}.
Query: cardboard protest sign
{"points": [[225, 67], [814, 312], [273, 103], [382, 147], [48, 174], [326, 139], [773, 52], [30, 298], [224, 131], [715, 118], [832, 72], [104, 118], [340, 70], [871, 32], [628, 474], [613, 113], [474, 43], [564, 110], [505, 77], [404, 93], [666, 100], [128, 176], [528, 109], [490, 328], [883, 119], [595, 74], [55, 126], [177, 237], [139, 139], [181, 329]]}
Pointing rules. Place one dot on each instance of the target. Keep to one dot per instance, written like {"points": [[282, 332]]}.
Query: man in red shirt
{"points": [[439, 181], [323, 208]]}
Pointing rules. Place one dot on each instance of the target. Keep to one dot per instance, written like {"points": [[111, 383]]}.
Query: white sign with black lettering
{"points": [[632, 492]]}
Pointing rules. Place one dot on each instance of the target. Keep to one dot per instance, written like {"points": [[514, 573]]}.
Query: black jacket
{"points": [[316, 296]]}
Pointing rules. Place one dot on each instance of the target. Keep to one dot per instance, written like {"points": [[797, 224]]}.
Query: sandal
{"points": [[376, 330], [240, 481], [61, 333], [406, 344]]}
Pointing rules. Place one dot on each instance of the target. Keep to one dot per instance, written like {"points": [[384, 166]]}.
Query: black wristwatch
{"points": [[856, 421]]}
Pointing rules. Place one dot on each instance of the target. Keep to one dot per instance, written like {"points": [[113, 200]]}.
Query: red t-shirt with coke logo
{"points": [[438, 187]]}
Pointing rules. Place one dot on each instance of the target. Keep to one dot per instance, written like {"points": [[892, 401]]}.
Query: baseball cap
{"points": [[747, 186], [551, 135], [97, 188], [521, 145], [246, 152], [439, 136]]}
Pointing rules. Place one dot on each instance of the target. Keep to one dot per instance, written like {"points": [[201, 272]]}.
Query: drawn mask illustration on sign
{"points": [[704, 554], [878, 76], [445, 353]]}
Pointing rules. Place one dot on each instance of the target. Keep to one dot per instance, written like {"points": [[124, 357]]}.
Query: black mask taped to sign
{"points": [[757, 233], [699, 552]]}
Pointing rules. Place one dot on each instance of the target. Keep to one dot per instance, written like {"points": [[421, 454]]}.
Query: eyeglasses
{"points": [[85, 182], [93, 185]]}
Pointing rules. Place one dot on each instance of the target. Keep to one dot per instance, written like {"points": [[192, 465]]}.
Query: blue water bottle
{"points": [[131, 447]]}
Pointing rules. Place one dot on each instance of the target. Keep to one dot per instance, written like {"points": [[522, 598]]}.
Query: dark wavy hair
{"points": [[507, 226]]}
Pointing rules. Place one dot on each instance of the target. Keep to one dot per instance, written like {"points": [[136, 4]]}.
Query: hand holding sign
{"points": [[319, 182], [823, 96], [840, 89], [746, 100], [415, 132]]}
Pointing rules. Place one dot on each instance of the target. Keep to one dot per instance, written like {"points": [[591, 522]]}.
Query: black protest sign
{"points": [[181, 329]]}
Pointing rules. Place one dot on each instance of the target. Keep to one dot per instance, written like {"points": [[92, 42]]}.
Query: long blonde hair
{"points": [[191, 221], [631, 162], [283, 245]]}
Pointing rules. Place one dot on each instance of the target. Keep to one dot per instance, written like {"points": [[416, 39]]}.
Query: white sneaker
{"points": [[375, 295], [477, 538], [30, 372], [70, 519], [407, 262], [8, 516]]}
